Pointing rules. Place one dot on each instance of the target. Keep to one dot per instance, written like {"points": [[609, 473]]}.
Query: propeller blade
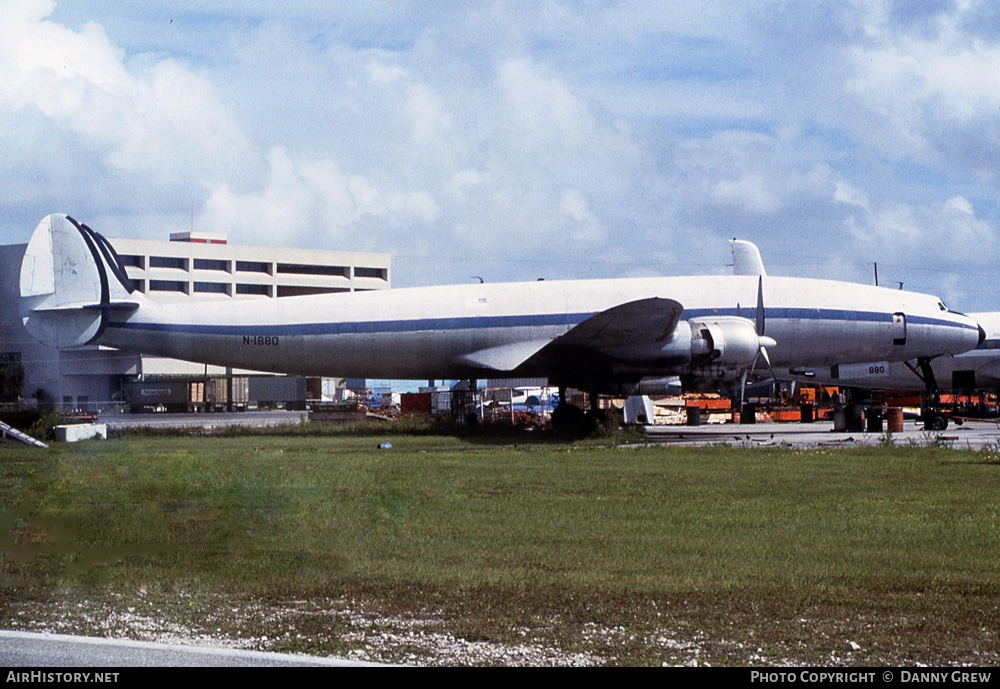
{"points": [[743, 388], [760, 305], [762, 354]]}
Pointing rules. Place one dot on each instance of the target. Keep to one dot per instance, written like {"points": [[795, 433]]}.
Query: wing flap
{"points": [[504, 357]]}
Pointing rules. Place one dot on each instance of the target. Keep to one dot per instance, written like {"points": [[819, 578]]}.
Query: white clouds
{"points": [[561, 132], [846, 193], [166, 125], [958, 205], [383, 74], [543, 109], [52, 68], [309, 203], [938, 237], [430, 124], [930, 93], [959, 231], [508, 164], [749, 191], [580, 222], [463, 182], [173, 125]]}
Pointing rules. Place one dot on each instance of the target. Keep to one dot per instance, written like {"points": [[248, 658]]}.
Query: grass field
{"points": [[530, 552]]}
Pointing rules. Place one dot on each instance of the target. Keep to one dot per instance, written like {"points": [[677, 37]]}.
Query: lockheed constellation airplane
{"points": [[594, 335]]}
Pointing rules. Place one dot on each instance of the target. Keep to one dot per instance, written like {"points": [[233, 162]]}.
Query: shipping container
{"points": [[278, 392], [157, 396]]}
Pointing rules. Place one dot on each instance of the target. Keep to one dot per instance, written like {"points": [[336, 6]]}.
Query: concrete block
{"points": [[72, 433]]}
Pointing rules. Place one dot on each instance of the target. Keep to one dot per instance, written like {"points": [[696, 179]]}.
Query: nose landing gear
{"points": [[931, 414]]}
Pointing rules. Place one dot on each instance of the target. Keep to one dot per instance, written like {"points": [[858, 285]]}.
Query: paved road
{"points": [[971, 435], [29, 649]]}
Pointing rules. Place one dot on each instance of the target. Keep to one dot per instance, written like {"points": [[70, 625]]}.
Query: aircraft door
{"points": [[899, 328]]}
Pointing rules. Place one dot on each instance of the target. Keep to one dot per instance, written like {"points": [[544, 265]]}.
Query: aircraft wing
{"points": [[629, 326]]}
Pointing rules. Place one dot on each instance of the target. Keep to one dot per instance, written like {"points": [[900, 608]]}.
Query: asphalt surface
{"points": [[973, 435], [29, 649]]}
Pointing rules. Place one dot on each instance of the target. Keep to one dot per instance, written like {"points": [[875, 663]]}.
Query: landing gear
{"points": [[571, 419], [595, 416], [566, 417], [933, 419]]}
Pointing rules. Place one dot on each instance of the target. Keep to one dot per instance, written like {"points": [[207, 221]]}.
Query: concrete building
{"points": [[191, 266], [204, 266]]}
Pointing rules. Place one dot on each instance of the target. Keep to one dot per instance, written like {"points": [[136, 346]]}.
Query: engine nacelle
{"points": [[679, 349], [728, 342], [724, 343]]}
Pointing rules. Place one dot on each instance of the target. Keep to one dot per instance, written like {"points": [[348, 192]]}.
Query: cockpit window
{"points": [[942, 306]]}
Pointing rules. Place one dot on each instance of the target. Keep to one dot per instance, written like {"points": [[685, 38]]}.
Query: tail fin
{"points": [[72, 282], [746, 258]]}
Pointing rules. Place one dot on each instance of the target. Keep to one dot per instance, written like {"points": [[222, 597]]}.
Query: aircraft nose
{"points": [[966, 336]]}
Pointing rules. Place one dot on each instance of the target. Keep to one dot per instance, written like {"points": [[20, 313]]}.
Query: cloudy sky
{"points": [[516, 140]]}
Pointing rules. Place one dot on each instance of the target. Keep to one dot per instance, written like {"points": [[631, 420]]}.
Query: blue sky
{"points": [[517, 140]]}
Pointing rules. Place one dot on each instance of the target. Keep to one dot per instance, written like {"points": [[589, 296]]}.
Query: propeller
{"points": [[761, 323], [761, 339]]}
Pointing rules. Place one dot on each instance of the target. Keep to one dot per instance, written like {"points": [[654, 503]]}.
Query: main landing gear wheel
{"points": [[934, 421], [567, 418]]}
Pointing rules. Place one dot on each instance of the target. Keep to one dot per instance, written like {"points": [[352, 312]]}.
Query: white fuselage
{"points": [[419, 333]]}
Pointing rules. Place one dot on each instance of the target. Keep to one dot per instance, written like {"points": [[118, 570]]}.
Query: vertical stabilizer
{"points": [[746, 258], [72, 283]]}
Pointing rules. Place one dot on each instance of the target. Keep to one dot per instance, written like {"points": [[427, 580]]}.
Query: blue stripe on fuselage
{"points": [[514, 321], [366, 327]]}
